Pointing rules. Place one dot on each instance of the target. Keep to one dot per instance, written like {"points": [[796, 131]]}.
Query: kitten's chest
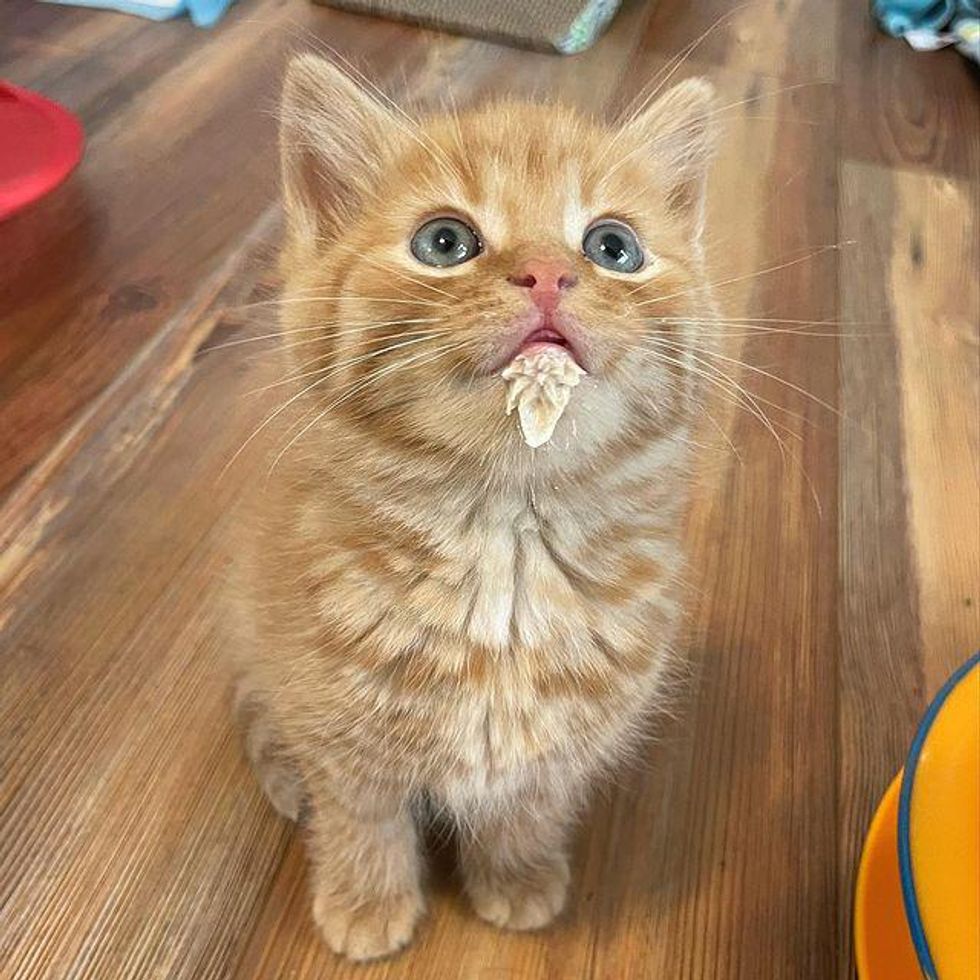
{"points": [[520, 594], [523, 637]]}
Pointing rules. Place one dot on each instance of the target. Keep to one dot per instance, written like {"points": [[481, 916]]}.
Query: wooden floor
{"points": [[835, 581]]}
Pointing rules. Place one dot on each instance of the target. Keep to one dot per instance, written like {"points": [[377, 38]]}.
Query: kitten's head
{"points": [[423, 255]]}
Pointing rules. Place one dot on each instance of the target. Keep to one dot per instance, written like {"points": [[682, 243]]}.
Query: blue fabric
{"points": [[931, 24], [897, 17], [203, 13]]}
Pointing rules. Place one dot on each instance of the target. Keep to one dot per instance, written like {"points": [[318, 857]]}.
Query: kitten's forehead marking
{"points": [[492, 209], [509, 204], [511, 210]]}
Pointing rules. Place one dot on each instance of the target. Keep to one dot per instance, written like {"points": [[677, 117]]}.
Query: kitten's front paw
{"points": [[370, 928], [526, 901]]}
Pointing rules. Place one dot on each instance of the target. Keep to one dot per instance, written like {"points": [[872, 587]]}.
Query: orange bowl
{"points": [[917, 903]]}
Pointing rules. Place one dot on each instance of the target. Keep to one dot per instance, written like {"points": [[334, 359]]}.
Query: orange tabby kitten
{"points": [[435, 611]]}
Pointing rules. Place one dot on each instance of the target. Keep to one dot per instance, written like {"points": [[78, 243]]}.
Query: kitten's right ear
{"points": [[333, 140], [679, 131]]}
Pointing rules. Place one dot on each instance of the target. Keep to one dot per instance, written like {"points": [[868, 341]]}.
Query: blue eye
{"points": [[444, 242], [613, 245]]}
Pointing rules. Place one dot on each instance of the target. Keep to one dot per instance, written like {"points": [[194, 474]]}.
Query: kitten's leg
{"points": [[366, 871], [515, 866], [277, 774]]}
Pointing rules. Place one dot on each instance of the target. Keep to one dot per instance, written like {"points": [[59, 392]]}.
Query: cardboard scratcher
{"points": [[566, 26]]}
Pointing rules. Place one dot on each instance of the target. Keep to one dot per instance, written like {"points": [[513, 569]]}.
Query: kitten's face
{"points": [[449, 247]]}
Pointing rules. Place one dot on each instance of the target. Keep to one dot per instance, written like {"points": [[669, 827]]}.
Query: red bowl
{"points": [[40, 145]]}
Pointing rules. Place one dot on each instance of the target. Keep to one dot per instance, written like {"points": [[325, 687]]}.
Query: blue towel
{"points": [[204, 13], [931, 24]]}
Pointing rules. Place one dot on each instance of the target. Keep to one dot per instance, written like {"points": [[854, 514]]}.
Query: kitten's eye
{"points": [[613, 245], [445, 241]]}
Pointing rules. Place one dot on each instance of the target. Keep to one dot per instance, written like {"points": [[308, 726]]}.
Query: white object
{"points": [[539, 385]]}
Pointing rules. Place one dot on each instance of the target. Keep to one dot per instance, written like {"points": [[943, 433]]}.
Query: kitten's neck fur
{"points": [[452, 493]]}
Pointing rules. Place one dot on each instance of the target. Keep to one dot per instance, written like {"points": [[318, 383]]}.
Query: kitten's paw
{"points": [[527, 901], [371, 929]]}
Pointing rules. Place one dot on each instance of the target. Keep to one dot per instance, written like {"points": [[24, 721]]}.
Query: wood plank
{"points": [[935, 287], [760, 899], [880, 670], [128, 702], [910, 521]]}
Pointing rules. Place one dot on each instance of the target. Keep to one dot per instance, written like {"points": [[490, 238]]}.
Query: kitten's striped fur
{"points": [[430, 608]]}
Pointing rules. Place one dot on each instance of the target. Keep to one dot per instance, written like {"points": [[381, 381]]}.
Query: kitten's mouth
{"points": [[543, 337]]}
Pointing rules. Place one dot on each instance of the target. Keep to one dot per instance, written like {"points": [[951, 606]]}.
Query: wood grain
{"points": [[897, 113], [835, 556]]}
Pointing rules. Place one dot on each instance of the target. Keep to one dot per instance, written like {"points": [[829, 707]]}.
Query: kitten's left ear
{"points": [[678, 130]]}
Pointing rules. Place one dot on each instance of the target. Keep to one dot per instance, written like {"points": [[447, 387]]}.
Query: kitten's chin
{"points": [[594, 415], [466, 416]]}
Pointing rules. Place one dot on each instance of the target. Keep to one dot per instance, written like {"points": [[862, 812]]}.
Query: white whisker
{"points": [[730, 387], [321, 329], [312, 297], [360, 386], [745, 365], [404, 275], [331, 369], [823, 249]]}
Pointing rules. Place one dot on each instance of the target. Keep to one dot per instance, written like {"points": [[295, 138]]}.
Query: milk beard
{"points": [[539, 385]]}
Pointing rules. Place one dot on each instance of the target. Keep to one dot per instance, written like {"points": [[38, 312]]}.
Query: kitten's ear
{"points": [[679, 131], [332, 143]]}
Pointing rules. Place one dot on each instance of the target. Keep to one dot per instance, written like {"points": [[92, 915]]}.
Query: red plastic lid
{"points": [[40, 144]]}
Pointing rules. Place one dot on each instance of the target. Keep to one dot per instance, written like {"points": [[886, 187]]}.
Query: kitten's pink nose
{"points": [[546, 278]]}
